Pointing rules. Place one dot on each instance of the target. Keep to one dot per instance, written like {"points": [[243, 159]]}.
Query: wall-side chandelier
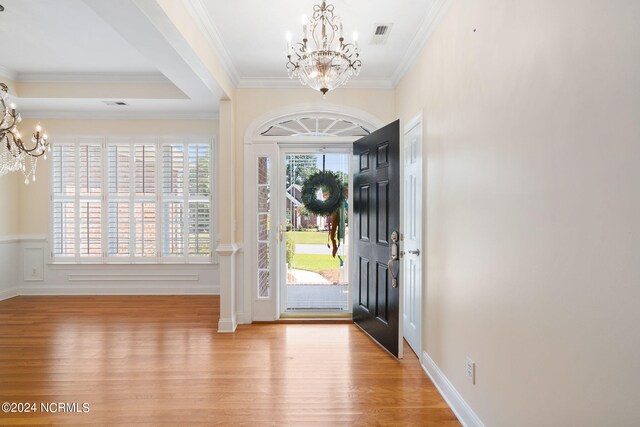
{"points": [[14, 155], [323, 60]]}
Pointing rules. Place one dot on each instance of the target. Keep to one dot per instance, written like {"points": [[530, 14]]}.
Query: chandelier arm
{"points": [[38, 149], [7, 113]]}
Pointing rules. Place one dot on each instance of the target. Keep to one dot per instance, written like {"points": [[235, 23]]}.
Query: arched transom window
{"points": [[315, 125]]}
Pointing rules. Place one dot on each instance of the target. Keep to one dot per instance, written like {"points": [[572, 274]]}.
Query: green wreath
{"points": [[327, 182]]}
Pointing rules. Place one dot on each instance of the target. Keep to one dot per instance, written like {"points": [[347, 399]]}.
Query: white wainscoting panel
{"points": [[106, 279], [33, 264], [8, 270]]}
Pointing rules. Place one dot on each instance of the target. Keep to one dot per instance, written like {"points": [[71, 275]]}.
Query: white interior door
{"points": [[412, 261]]}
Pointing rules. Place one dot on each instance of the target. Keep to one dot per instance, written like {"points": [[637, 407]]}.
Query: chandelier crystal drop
{"points": [[323, 60], [14, 154]]}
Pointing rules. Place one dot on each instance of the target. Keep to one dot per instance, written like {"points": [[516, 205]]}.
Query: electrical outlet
{"points": [[470, 370], [34, 272]]}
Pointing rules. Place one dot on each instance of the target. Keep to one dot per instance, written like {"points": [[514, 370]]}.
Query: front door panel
{"points": [[376, 302]]}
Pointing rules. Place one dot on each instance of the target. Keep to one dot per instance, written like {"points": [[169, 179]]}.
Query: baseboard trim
{"points": [[8, 293], [117, 290], [463, 411], [227, 326]]}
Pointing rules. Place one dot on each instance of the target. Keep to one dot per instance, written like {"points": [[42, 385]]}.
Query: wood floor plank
{"points": [[158, 360]]}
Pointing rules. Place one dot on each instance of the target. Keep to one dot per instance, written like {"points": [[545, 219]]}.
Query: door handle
{"points": [[394, 277], [394, 257], [280, 232], [416, 252]]}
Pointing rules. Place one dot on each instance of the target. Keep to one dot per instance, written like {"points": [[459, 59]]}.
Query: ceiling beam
{"points": [[146, 26]]}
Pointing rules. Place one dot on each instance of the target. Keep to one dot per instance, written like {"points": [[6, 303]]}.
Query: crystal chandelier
{"points": [[323, 60], [14, 155]]}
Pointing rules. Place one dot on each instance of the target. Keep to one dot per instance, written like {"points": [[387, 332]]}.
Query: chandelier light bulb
{"points": [[38, 128]]}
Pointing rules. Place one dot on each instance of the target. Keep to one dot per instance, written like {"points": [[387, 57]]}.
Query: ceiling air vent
{"points": [[120, 103], [381, 33]]}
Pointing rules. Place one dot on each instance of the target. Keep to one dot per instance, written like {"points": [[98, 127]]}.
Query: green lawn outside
{"points": [[313, 237], [315, 263]]}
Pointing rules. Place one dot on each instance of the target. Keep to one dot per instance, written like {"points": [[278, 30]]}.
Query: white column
{"points": [[225, 202]]}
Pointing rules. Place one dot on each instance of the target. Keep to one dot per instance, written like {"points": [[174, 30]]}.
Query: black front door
{"points": [[376, 207]]}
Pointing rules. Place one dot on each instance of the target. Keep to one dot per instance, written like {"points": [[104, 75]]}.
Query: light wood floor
{"points": [[159, 360]]}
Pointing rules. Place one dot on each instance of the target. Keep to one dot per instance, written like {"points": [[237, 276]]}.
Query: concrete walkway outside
{"points": [[307, 277]]}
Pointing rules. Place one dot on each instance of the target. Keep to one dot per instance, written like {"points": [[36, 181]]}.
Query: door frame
{"points": [[307, 148], [417, 120], [248, 306]]}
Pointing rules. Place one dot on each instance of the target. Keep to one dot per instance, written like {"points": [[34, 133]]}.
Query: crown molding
{"points": [[428, 25], [9, 74], [287, 83], [91, 78], [201, 14], [96, 115]]}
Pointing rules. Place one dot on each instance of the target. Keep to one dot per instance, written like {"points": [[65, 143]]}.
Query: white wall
{"points": [[532, 138]]}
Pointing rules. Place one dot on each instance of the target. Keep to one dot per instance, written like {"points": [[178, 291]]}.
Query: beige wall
{"points": [[251, 104], [532, 138], [34, 198], [9, 204]]}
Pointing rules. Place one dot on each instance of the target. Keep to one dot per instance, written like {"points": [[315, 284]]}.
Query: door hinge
{"points": [[401, 237]]}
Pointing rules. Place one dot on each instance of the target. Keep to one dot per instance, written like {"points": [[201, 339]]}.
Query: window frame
{"points": [[106, 198]]}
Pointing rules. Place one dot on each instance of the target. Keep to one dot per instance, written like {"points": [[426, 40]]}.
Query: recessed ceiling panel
{"points": [[63, 36]]}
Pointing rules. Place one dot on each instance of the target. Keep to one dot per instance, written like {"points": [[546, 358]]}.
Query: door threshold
{"points": [[316, 316], [311, 318]]}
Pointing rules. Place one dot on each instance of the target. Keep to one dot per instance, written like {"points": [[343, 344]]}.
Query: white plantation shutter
{"points": [[63, 164], [119, 169], [173, 229], [173, 169], [199, 229], [145, 229], [64, 169], [173, 218], [119, 230], [132, 199], [90, 175], [199, 200], [145, 169], [186, 193], [77, 200], [90, 213], [119, 199], [64, 229]]}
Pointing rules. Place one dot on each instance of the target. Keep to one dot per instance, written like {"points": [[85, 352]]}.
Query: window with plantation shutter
{"points": [[186, 194], [77, 200], [132, 200]]}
